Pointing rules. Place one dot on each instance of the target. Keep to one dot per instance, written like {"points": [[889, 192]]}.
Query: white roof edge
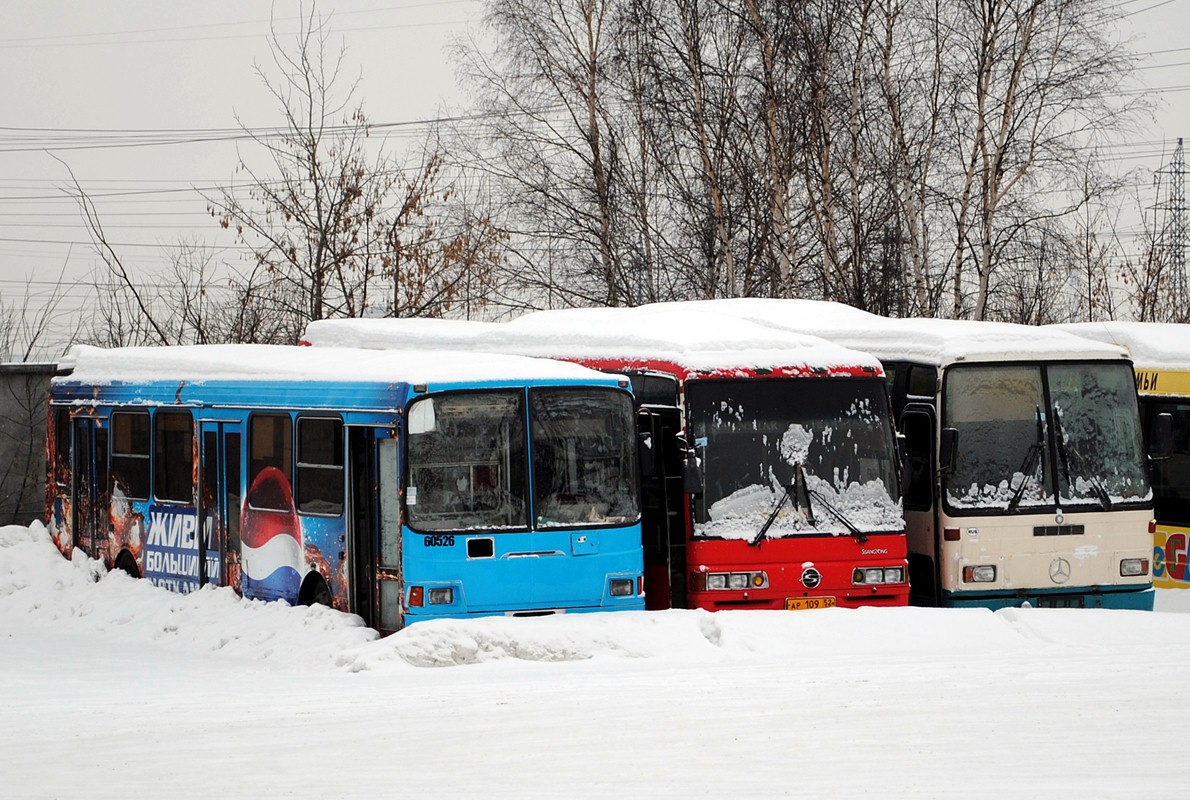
{"points": [[238, 362], [692, 338], [1152, 345], [936, 341]]}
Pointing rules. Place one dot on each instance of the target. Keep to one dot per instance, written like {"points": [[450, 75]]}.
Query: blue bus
{"points": [[396, 486]]}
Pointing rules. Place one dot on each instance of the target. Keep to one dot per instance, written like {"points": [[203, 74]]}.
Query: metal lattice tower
{"points": [[1172, 241]]}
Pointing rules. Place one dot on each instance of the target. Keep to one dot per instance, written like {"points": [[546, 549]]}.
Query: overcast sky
{"points": [[140, 99]]}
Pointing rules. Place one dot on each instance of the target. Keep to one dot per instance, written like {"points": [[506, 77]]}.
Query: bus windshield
{"points": [[469, 463], [584, 464], [1101, 457], [1019, 453], [751, 434]]}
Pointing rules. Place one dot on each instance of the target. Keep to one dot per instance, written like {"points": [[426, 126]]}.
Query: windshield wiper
{"points": [[859, 535], [795, 491], [1032, 459], [768, 523], [801, 494], [1064, 455]]}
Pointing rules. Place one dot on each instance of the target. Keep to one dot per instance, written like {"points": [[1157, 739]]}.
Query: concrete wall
{"points": [[24, 393]]}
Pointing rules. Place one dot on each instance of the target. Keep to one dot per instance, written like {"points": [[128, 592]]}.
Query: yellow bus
{"points": [[1161, 360]]}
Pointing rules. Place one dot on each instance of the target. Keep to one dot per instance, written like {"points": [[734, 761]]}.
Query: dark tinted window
{"points": [[320, 466], [173, 456], [1171, 476], [270, 462], [130, 444]]}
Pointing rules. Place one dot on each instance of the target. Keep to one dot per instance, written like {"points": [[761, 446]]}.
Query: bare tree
{"points": [[1040, 79], [543, 109], [310, 217]]}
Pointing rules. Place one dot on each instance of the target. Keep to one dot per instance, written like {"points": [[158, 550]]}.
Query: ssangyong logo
{"points": [[811, 578]]}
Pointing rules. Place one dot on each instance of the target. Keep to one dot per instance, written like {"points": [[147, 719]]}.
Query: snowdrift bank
{"points": [[113, 687], [40, 589]]}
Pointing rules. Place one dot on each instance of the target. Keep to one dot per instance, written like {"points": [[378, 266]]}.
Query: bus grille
{"points": [[1058, 530]]}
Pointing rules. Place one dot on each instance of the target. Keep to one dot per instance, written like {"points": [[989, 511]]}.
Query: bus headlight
{"points": [[985, 573], [1133, 567], [441, 596], [737, 580], [874, 576], [621, 587]]}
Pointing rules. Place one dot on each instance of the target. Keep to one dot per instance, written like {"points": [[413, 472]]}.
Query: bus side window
{"points": [[1171, 476], [922, 382], [61, 462], [130, 442], [173, 456], [270, 452], [320, 466]]}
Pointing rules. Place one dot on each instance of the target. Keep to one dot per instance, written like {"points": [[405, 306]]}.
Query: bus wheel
{"points": [[314, 591], [127, 563]]}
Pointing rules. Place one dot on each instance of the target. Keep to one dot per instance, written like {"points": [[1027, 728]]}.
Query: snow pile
{"points": [[1152, 345], [114, 688], [228, 362], [934, 341], [692, 337], [40, 590]]}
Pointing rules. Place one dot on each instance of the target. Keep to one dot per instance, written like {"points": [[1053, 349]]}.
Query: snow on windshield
{"points": [[752, 435], [1100, 452], [1006, 455]]}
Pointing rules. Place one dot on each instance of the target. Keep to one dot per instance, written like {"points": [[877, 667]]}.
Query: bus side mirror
{"points": [[646, 455], [691, 474], [948, 449], [1161, 436], [903, 456]]}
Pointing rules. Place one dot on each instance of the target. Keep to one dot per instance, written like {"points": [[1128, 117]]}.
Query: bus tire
{"points": [[126, 563], [314, 591]]}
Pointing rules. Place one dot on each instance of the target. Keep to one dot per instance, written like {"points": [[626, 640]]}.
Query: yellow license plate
{"points": [[803, 603]]}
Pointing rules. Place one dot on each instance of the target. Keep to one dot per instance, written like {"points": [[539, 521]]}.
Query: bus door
{"points": [[220, 492], [663, 532], [383, 560], [917, 425], [363, 519], [89, 486]]}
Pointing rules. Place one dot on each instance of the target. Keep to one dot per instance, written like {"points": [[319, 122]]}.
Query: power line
{"points": [[1148, 8], [239, 23]]}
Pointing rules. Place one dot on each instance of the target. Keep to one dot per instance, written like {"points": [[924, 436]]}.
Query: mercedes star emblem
{"points": [[1059, 570]]}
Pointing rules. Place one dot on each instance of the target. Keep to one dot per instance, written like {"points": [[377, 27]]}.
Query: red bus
{"points": [[769, 471]]}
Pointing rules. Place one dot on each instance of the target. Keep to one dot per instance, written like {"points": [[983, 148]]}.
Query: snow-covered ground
{"points": [[112, 688]]}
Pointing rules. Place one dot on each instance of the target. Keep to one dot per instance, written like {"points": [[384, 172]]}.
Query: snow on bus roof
{"points": [[1152, 345], [935, 341], [694, 338], [203, 363]]}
